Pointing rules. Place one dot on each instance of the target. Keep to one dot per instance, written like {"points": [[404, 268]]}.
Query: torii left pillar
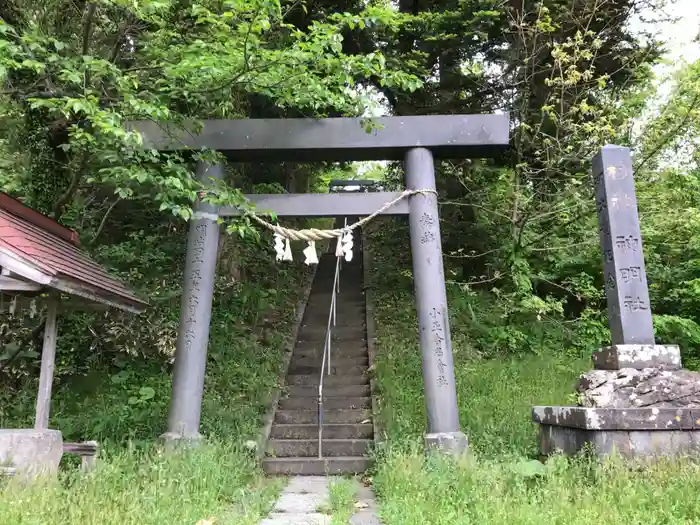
{"points": [[195, 315]]}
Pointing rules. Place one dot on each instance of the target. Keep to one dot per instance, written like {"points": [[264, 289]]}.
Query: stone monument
{"points": [[638, 401]]}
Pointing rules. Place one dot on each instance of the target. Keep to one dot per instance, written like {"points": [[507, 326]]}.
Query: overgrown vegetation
{"points": [[341, 500], [217, 483], [501, 481], [519, 233], [121, 399], [435, 492]]}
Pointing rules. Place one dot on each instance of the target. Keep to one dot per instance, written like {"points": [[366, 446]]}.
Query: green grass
{"points": [[148, 488], [431, 491], [500, 482], [341, 500], [495, 396]]}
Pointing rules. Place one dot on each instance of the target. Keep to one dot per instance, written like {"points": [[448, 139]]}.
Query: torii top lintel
{"points": [[334, 139]]}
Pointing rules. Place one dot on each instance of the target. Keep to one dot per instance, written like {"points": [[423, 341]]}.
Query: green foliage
{"points": [[110, 393], [69, 97], [117, 390], [436, 491], [217, 480], [341, 505], [500, 481], [519, 232]]}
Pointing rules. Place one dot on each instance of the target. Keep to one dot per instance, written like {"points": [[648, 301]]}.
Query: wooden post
{"points": [[48, 359]]}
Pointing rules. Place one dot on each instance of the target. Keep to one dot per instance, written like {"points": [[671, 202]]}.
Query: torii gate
{"points": [[414, 139]]}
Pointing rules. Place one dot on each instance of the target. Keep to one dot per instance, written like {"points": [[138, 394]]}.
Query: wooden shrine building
{"points": [[41, 263]]}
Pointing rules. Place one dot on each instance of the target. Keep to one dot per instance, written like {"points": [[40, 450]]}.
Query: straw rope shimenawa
{"points": [[314, 234]]}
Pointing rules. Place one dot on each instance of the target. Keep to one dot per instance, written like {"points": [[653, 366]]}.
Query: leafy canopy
{"points": [[82, 77]]}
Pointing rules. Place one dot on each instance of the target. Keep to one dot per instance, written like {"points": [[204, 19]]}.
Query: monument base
{"points": [[451, 443], [29, 453], [637, 356], [633, 433]]}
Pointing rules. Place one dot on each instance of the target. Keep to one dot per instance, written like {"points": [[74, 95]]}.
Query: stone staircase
{"points": [[292, 448]]}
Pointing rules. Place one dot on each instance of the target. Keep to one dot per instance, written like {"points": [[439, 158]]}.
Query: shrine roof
{"points": [[37, 252]]}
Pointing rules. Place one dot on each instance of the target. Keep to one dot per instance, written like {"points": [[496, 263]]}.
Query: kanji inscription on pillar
{"points": [[624, 275], [437, 334], [427, 223], [194, 280]]}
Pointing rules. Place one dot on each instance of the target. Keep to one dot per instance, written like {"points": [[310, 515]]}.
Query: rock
{"points": [[630, 388]]}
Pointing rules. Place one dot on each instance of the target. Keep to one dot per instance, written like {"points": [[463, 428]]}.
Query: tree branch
{"points": [[87, 26], [60, 204], [104, 219], [672, 134]]}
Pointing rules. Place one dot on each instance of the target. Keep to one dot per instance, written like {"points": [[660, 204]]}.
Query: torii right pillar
{"points": [[431, 302]]}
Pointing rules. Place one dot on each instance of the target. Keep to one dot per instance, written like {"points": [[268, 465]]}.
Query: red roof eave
{"points": [[53, 250]]}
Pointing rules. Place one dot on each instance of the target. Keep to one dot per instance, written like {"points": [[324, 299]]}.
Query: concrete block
{"points": [[307, 485], [631, 433], [365, 517], [31, 452], [452, 443]]}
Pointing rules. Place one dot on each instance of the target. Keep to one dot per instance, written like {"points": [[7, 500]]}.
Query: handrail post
{"points": [[328, 345], [320, 419], [326, 369]]}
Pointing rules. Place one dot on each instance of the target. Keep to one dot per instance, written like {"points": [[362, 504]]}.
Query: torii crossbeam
{"points": [[414, 139]]}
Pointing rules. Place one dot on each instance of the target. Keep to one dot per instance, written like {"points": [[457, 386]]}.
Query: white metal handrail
{"points": [[326, 362]]}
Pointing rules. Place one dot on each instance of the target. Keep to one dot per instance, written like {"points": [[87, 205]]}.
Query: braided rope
{"points": [[313, 234]]}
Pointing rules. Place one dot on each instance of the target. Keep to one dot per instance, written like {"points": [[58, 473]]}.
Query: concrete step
{"points": [[332, 431], [343, 317], [328, 381], [304, 448], [352, 289], [338, 344], [339, 351], [330, 416], [346, 302], [329, 391], [314, 332], [335, 360], [316, 466], [331, 403], [318, 308], [320, 339], [355, 370], [341, 321], [316, 303]]}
